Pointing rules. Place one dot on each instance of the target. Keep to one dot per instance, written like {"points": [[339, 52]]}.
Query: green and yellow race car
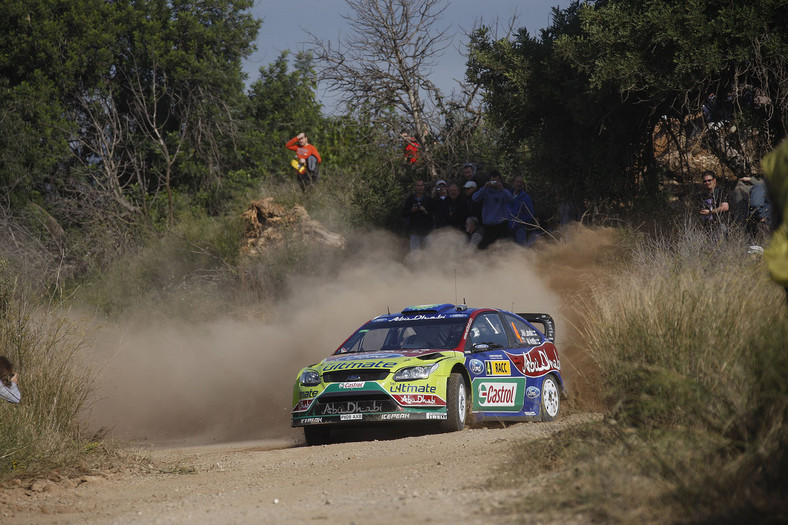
{"points": [[444, 363]]}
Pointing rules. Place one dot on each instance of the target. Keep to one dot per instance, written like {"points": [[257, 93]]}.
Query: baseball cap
{"points": [[470, 184], [440, 182]]}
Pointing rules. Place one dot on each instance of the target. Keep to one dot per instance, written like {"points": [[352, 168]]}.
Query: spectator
{"points": [[440, 204], [522, 220], [417, 213], [474, 208], [411, 148], [475, 232], [458, 207], [308, 160], [714, 206], [751, 207], [495, 210], [9, 388], [470, 172]]}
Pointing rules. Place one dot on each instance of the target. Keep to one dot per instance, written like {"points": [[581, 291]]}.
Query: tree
{"points": [[587, 96], [381, 69]]}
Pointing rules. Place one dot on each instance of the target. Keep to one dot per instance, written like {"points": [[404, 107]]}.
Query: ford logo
{"points": [[476, 366], [532, 392], [353, 378]]}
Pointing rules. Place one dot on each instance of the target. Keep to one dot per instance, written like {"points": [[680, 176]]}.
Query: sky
{"points": [[286, 24]]}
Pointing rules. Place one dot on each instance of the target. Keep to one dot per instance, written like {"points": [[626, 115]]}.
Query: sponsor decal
{"points": [[352, 365], [476, 366], [499, 395], [498, 368], [538, 361], [303, 405], [363, 356], [401, 415], [533, 340], [532, 392], [419, 400], [349, 417], [420, 317], [458, 315], [349, 407], [311, 420], [529, 413], [351, 385], [307, 394], [409, 388], [437, 416]]}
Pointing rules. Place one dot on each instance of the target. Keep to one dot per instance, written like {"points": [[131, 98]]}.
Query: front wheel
{"points": [[456, 404], [551, 399]]}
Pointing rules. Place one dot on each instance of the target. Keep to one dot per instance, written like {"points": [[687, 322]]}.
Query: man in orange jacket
{"points": [[308, 160]]}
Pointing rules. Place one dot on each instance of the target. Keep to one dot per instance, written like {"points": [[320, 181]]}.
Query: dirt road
{"points": [[435, 478]]}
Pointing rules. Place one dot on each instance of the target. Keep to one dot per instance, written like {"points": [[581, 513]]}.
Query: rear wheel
{"points": [[317, 435], [456, 404], [551, 399]]}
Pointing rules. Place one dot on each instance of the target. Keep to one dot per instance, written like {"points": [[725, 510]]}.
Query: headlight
{"points": [[309, 378], [415, 372]]}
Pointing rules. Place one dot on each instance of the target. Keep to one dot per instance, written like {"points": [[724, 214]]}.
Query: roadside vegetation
{"points": [[690, 337], [43, 432]]}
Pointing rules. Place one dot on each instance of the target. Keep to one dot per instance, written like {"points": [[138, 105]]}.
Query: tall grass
{"points": [[43, 431], [692, 340]]}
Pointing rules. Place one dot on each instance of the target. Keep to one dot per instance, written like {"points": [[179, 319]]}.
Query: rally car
{"points": [[446, 363]]}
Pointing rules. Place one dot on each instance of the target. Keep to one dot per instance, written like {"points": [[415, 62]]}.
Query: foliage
{"points": [[189, 272], [587, 95], [690, 337], [43, 430]]}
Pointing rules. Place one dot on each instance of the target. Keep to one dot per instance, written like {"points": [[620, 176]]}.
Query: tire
{"points": [[317, 435], [456, 404], [551, 399]]}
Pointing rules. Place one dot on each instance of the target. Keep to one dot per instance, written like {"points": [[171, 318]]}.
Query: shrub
{"points": [[43, 430]]}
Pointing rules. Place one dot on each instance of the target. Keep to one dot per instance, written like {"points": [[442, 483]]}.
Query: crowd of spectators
{"points": [[747, 206], [482, 205]]}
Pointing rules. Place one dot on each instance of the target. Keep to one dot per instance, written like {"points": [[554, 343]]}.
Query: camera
{"points": [[493, 183]]}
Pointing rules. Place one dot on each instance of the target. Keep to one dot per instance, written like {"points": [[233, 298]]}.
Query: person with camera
{"points": [[417, 214], [495, 201], [308, 160], [9, 388], [714, 207]]}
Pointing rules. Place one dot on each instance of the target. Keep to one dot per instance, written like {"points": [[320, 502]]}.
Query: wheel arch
{"points": [[466, 378]]}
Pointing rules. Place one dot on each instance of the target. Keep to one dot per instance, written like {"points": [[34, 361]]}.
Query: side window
{"points": [[488, 328], [524, 334]]}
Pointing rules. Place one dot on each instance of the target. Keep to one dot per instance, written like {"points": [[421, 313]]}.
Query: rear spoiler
{"points": [[548, 325]]}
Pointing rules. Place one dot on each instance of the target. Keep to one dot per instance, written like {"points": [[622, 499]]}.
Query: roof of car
{"points": [[429, 311]]}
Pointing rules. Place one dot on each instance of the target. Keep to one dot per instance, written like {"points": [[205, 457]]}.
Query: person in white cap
{"points": [[474, 208]]}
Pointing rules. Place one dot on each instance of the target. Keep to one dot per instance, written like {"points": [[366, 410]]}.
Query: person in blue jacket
{"points": [[495, 201]]}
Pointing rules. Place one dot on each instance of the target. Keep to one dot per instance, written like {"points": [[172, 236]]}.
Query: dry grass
{"points": [[43, 432], [691, 338]]}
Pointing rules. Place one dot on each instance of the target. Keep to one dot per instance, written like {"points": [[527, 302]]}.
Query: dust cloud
{"points": [[167, 382]]}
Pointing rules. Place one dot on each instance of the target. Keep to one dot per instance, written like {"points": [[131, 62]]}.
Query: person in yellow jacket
{"points": [[775, 166]]}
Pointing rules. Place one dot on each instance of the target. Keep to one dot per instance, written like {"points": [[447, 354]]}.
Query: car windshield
{"points": [[406, 334]]}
